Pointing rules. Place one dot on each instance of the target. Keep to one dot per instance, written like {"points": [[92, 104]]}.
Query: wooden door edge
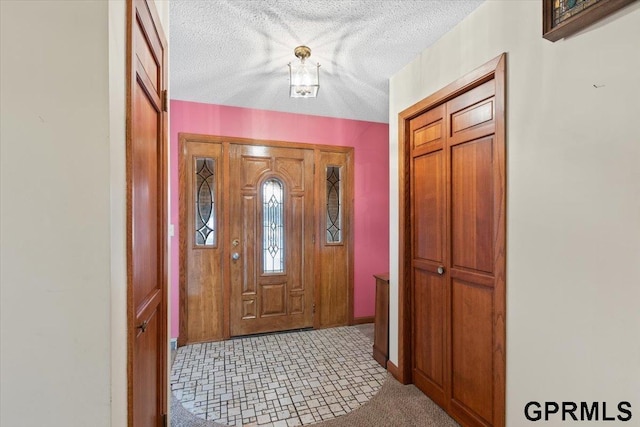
{"points": [[182, 245], [164, 214], [351, 252], [130, 79], [493, 69]]}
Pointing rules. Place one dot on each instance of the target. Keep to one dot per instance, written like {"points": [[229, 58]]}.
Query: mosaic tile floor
{"points": [[285, 379]]}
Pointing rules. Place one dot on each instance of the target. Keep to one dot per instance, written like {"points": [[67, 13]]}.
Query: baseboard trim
{"points": [[395, 371], [363, 320]]}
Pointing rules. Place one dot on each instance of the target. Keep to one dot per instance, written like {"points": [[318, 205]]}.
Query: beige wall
{"points": [[573, 219], [55, 214], [117, 128]]}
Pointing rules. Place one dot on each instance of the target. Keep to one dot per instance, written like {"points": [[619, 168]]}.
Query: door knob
{"points": [[440, 270], [235, 256], [143, 326]]}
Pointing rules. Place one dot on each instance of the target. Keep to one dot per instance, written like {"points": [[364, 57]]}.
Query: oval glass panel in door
{"points": [[273, 226], [204, 195], [334, 202]]}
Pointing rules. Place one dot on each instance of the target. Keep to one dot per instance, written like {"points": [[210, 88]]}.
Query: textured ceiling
{"points": [[235, 52]]}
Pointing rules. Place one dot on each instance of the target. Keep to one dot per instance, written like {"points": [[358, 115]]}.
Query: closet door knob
{"points": [[440, 270], [235, 256]]}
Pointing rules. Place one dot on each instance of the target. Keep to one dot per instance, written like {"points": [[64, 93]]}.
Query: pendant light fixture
{"points": [[304, 79]]}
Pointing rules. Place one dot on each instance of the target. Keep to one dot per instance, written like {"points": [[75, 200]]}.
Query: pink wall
{"points": [[371, 142]]}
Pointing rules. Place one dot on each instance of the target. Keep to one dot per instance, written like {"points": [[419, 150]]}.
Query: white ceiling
{"points": [[235, 52]]}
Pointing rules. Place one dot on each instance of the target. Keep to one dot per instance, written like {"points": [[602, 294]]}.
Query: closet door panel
{"points": [[472, 205]]}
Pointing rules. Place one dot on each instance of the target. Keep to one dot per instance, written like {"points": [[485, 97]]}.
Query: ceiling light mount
{"points": [[304, 80], [302, 52]]}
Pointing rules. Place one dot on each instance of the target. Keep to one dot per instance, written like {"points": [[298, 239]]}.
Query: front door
{"points": [[271, 253], [147, 217]]}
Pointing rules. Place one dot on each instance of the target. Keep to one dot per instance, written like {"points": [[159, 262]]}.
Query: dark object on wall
{"points": [[561, 18]]}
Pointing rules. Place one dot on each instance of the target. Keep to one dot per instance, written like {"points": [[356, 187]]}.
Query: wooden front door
{"points": [[266, 241], [271, 238], [457, 180], [147, 217]]}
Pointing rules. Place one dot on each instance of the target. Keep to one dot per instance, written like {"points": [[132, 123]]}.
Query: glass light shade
{"points": [[304, 80]]}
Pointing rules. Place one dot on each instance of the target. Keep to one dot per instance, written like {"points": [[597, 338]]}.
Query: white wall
{"points": [[55, 214], [573, 218]]}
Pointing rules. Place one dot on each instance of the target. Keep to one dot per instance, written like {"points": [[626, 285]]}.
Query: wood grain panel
{"points": [[145, 199], [472, 357], [472, 205], [430, 133], [252, 169], [471, 97], [333, 289], [429, 328], [204, 297], [429, 206], [293, 169], [472, 116], [147, 60], [381, 327], [273, 300], [249, 258], [145, 389], [295, 229], [249, 309], [296, 303]]}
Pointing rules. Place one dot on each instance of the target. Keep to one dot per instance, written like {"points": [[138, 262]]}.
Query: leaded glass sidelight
{"points": [[273, 220], [334, 208], [205, 213]]}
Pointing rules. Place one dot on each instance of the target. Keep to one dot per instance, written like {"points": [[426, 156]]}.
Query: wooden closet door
{"points": [[457, 249], [476, 191], [429, 254]]}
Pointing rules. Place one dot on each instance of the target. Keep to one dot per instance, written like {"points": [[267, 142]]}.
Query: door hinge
{"points": [[165, 101], [313, 239], [313, 309], [164, 420]]}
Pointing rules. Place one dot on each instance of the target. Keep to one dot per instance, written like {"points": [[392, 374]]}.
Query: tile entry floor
{"points": [[283, 379]]}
